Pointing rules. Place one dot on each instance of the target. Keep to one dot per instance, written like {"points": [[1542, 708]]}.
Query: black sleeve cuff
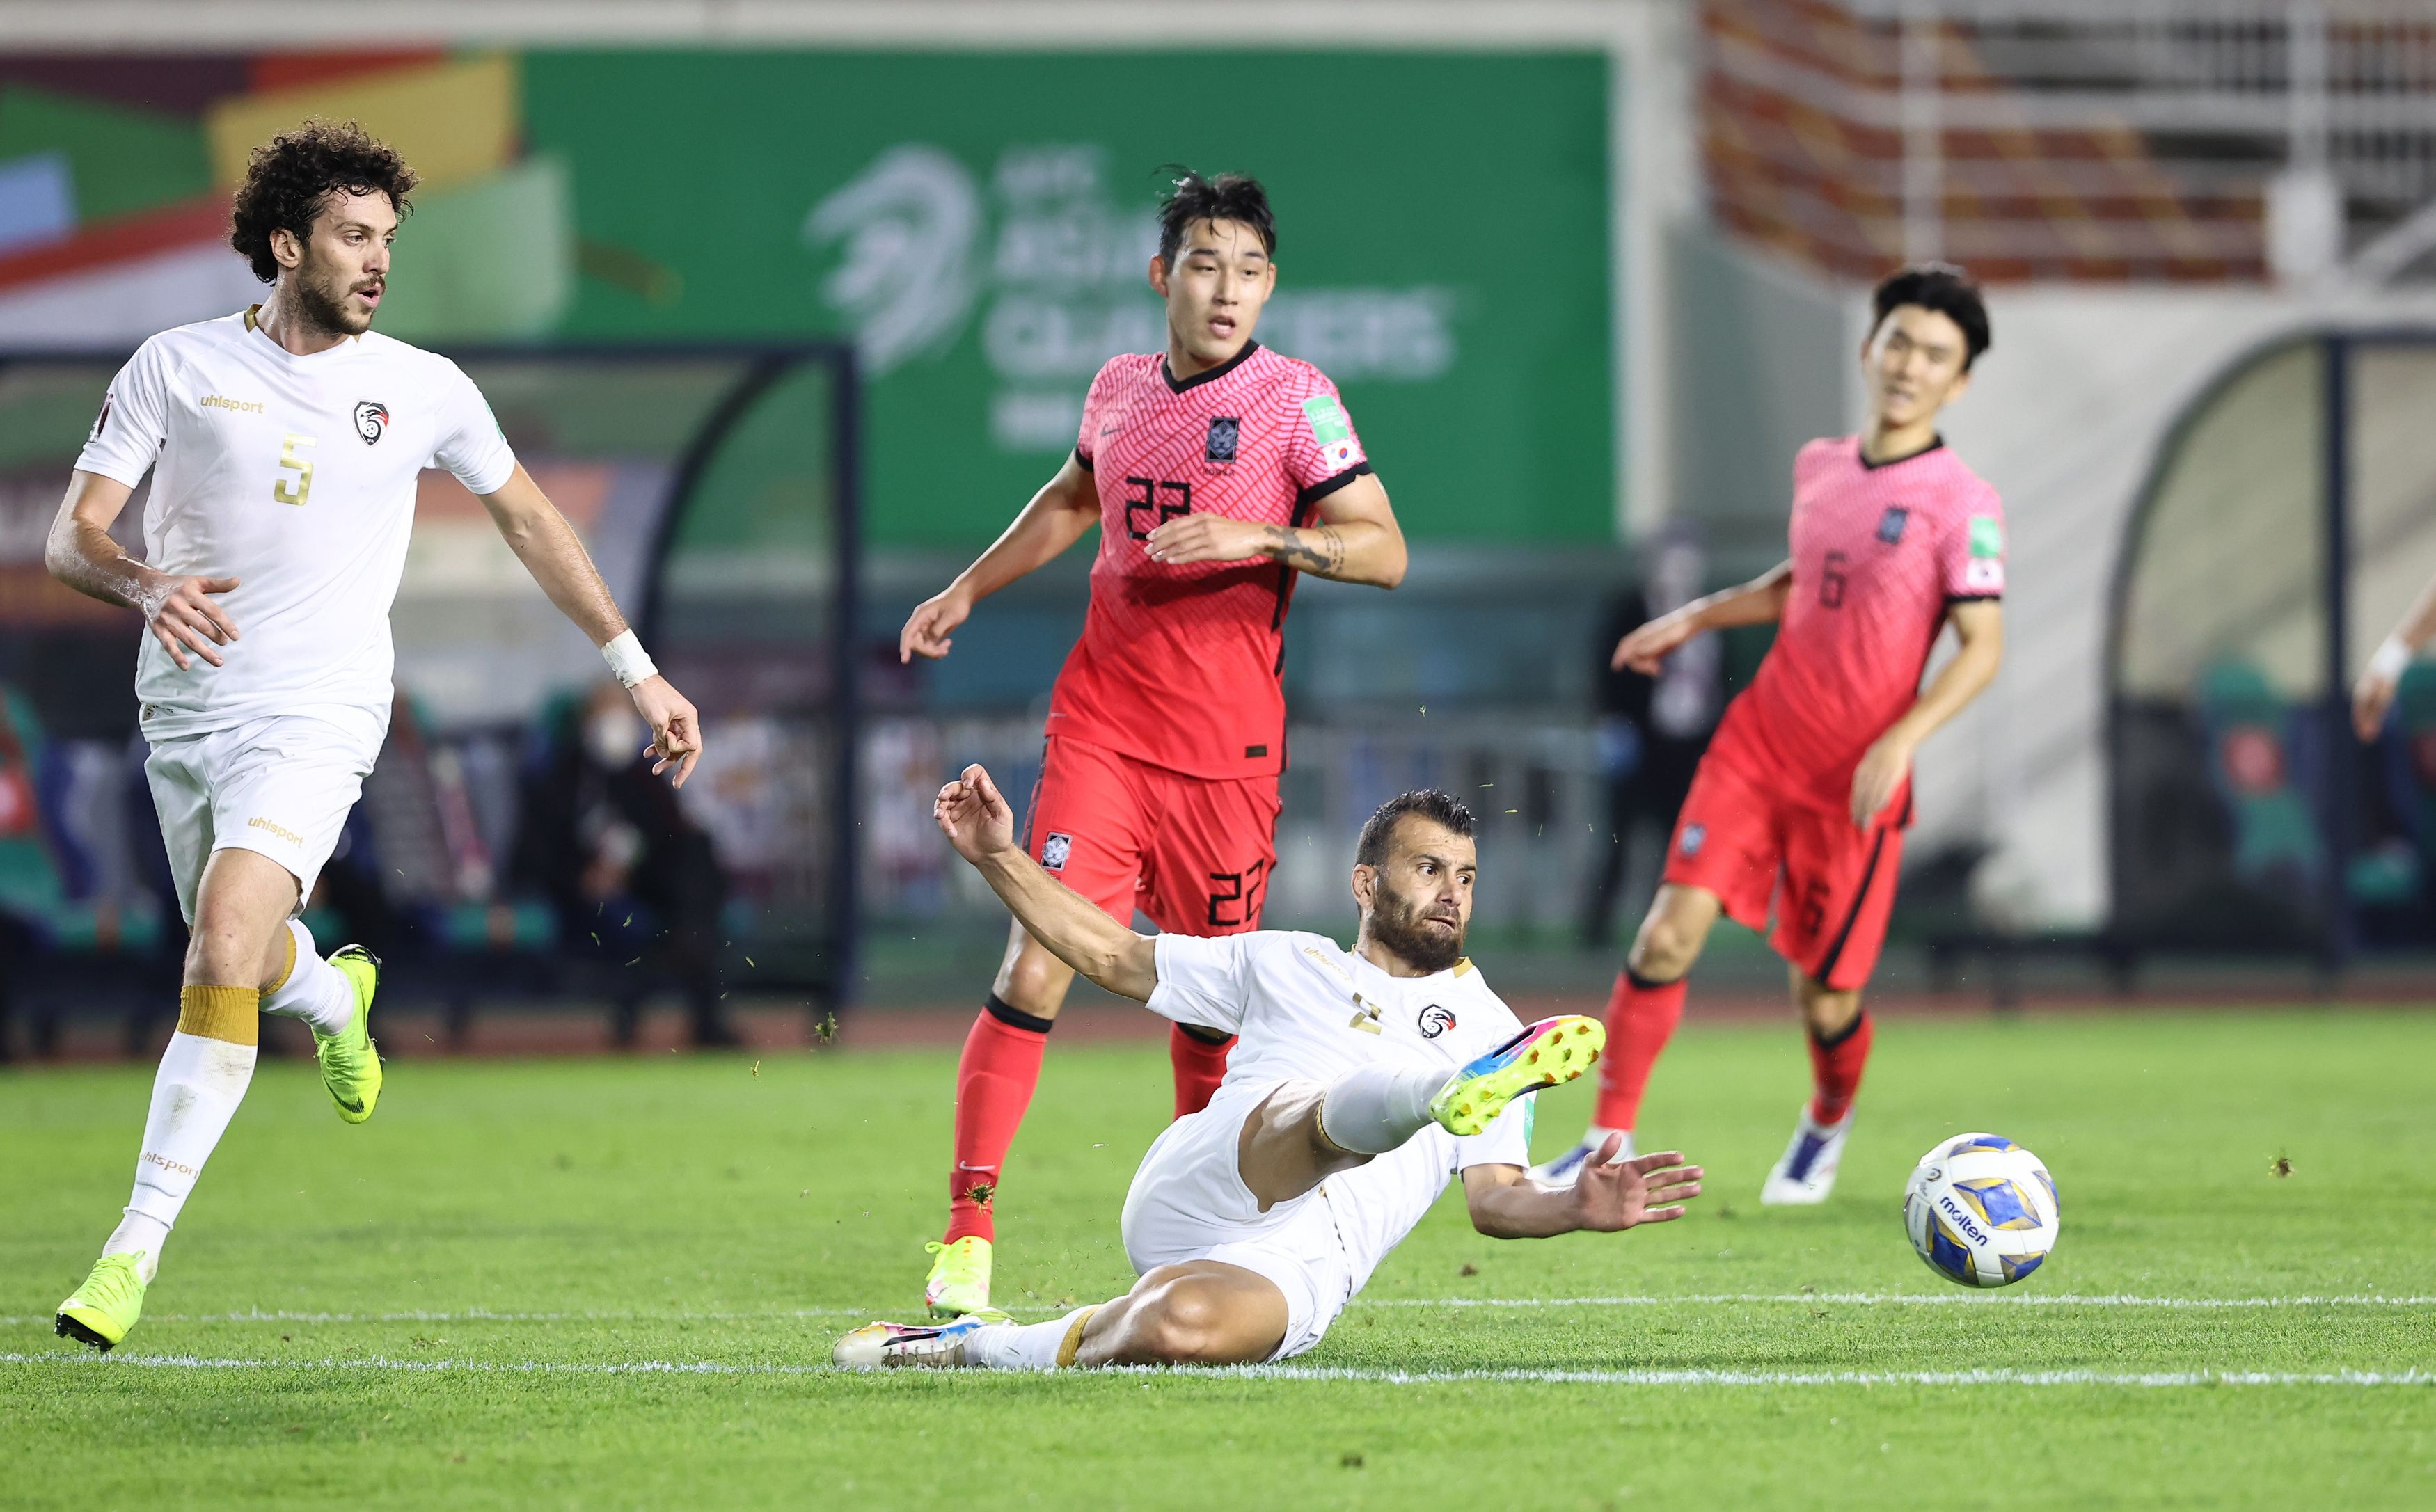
{"points": [[1082, 457], [1327, 485], [1953, 599]]}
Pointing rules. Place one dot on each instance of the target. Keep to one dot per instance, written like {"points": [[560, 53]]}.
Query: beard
{"points": [[322, 302], [1403, 926]]}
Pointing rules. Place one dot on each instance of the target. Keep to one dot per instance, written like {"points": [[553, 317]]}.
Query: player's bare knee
{"points": [[1034, 981], [1663, 950], [1827, 1012], [1186, 1323]]}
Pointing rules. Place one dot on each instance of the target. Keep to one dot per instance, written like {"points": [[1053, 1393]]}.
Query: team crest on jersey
{"points": [[371, 418], [1054, 850], [1435, 1022], [1694, 836], [1890, 524], [1223, 432]]}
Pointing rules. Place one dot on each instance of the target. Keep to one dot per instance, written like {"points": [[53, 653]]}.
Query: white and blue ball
{"points": [[1981, 1211]]}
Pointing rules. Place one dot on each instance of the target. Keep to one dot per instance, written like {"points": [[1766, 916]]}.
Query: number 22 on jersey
{"points": [[298, 488]]}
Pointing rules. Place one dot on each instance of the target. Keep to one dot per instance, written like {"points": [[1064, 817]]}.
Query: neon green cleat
{"points": [[351, 1068], [101, 1310], [960, 1277], [1547, 1053]]}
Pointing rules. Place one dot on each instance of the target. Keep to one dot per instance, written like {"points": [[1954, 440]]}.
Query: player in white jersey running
{"points": [[285, 444], [1363, 1082]]}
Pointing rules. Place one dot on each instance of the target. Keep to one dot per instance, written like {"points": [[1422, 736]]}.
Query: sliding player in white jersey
{"points": [[1363, 1082], [285, 444]]}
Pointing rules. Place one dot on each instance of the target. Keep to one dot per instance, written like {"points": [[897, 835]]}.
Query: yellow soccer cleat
{"points": [[351, 1068], [1547, 1053], [101, 1310], [960, 1277]]}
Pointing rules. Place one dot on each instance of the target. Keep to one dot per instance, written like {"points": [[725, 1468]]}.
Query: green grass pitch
{"points": [[613, 1283]]}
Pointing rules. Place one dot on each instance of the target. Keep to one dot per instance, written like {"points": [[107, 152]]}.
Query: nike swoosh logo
{"points": [[355, 1106], [1110, 430]]}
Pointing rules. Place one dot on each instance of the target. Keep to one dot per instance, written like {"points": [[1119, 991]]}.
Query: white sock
{"points": [[1021, 1345], [1597, 1134], [315, 991], [199, 1087], [1373, 1109]]}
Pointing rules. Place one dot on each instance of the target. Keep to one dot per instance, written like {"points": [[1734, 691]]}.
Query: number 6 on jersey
{"points": [[300, 488]]}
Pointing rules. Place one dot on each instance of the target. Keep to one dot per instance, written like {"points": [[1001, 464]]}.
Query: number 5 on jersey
{"points": [[298, 488]]}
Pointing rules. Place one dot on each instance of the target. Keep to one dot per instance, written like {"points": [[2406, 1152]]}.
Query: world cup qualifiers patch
{"points": [[1987, 537], [1890, 524], [1224, 431], [372, 420], [1054, 850]]}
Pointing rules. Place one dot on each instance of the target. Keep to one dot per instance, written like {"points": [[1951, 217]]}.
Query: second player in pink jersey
{"points": [[1794, 822], [1217, 471]]}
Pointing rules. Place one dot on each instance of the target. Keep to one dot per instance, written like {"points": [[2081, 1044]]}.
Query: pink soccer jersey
{"points": [[1181, 665], [1879, 554]]}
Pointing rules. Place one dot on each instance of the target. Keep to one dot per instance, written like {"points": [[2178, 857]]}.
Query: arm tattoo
{"points": [[1320, 550]]}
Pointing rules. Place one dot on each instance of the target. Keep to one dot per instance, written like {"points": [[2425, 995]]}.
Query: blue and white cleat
{"points": [[1562, 1171], [1807, 1171], [1547, 1053], [912, 1346]]}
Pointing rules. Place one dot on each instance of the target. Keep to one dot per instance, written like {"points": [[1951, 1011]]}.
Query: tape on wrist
{"points": [[627, 658], [2391, 658]]}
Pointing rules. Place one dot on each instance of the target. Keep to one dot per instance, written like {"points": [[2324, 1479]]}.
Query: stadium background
{"points": [[790, 306]]}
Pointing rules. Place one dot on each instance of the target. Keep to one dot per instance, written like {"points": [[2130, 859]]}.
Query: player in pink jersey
{"points": [[1216, 473], [1800, 804]]}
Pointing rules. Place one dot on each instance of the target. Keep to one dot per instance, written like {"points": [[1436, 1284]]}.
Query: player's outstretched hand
{"points": [[1643, 650], [2371, 697], [183, 617], [975, 817], [677, 729], [928, 627], [1649, 1189], [1882, 770]]}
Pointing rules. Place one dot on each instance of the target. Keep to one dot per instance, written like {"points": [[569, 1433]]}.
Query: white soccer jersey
{"points": [[1308, 1011], [296, 476]]}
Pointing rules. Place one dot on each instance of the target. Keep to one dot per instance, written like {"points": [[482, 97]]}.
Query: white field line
{"points": [[2150, 1379], [1956, 1298]]}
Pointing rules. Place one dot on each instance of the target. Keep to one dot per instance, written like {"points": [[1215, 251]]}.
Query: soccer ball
{"points": [[1981, 1211]]}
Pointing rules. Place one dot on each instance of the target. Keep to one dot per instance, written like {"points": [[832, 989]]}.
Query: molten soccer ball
{"points": [[1981, 1211]]}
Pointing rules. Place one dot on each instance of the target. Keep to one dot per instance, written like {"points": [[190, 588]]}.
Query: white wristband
{"points": [[627, 658], [2391, 658]]}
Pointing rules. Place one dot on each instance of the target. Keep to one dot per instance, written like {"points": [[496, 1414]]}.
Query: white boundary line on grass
{"points": [[2146, 1380], [1955, 1298]]}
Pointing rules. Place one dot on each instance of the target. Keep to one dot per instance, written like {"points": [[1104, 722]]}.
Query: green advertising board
{"points": [[983, 224]]}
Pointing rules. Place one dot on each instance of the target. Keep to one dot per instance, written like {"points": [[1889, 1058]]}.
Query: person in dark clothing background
{"points": [[1650, 732], [627, 872]]}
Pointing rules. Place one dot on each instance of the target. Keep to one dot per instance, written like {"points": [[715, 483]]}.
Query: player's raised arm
{"points": [[1759, 602], [80, 553], [1066, 507], [1506, 1202], [975, 817], [552, 552], [1980, 625], [1357, 539]]}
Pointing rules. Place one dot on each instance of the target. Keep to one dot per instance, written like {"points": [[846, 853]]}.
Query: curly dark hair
{"points": [[293, 175], [1228, 196]]}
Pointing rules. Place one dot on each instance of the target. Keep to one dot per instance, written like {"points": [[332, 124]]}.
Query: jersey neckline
{"points": [[1178, 385], [253, 328], [1861, 450]]}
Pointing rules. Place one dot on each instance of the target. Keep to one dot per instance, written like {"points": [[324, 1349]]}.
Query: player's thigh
{"points": [[1727, 842], [1839, 894], [283, 788], [1087, 825], [1204, 1312], [1209, 858], [241, 911], [1674, 929]]}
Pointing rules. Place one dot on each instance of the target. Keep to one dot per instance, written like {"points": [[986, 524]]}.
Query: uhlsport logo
{"points": [[1054, 850], [1694, 836], [1435, 1022], [372, 419]]}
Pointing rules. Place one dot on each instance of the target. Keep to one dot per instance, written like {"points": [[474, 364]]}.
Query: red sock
{"points": [[1836, 1070], [994, 1083], [1200, 1065], [1641, 1018]]}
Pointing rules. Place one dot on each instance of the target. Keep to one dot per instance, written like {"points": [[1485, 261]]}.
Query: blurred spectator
{"points": [[1651, 731], [636, 884]]}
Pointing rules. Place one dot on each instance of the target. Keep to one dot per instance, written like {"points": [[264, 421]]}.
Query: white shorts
{"points": [[1188, 1203], [281, 786]]}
